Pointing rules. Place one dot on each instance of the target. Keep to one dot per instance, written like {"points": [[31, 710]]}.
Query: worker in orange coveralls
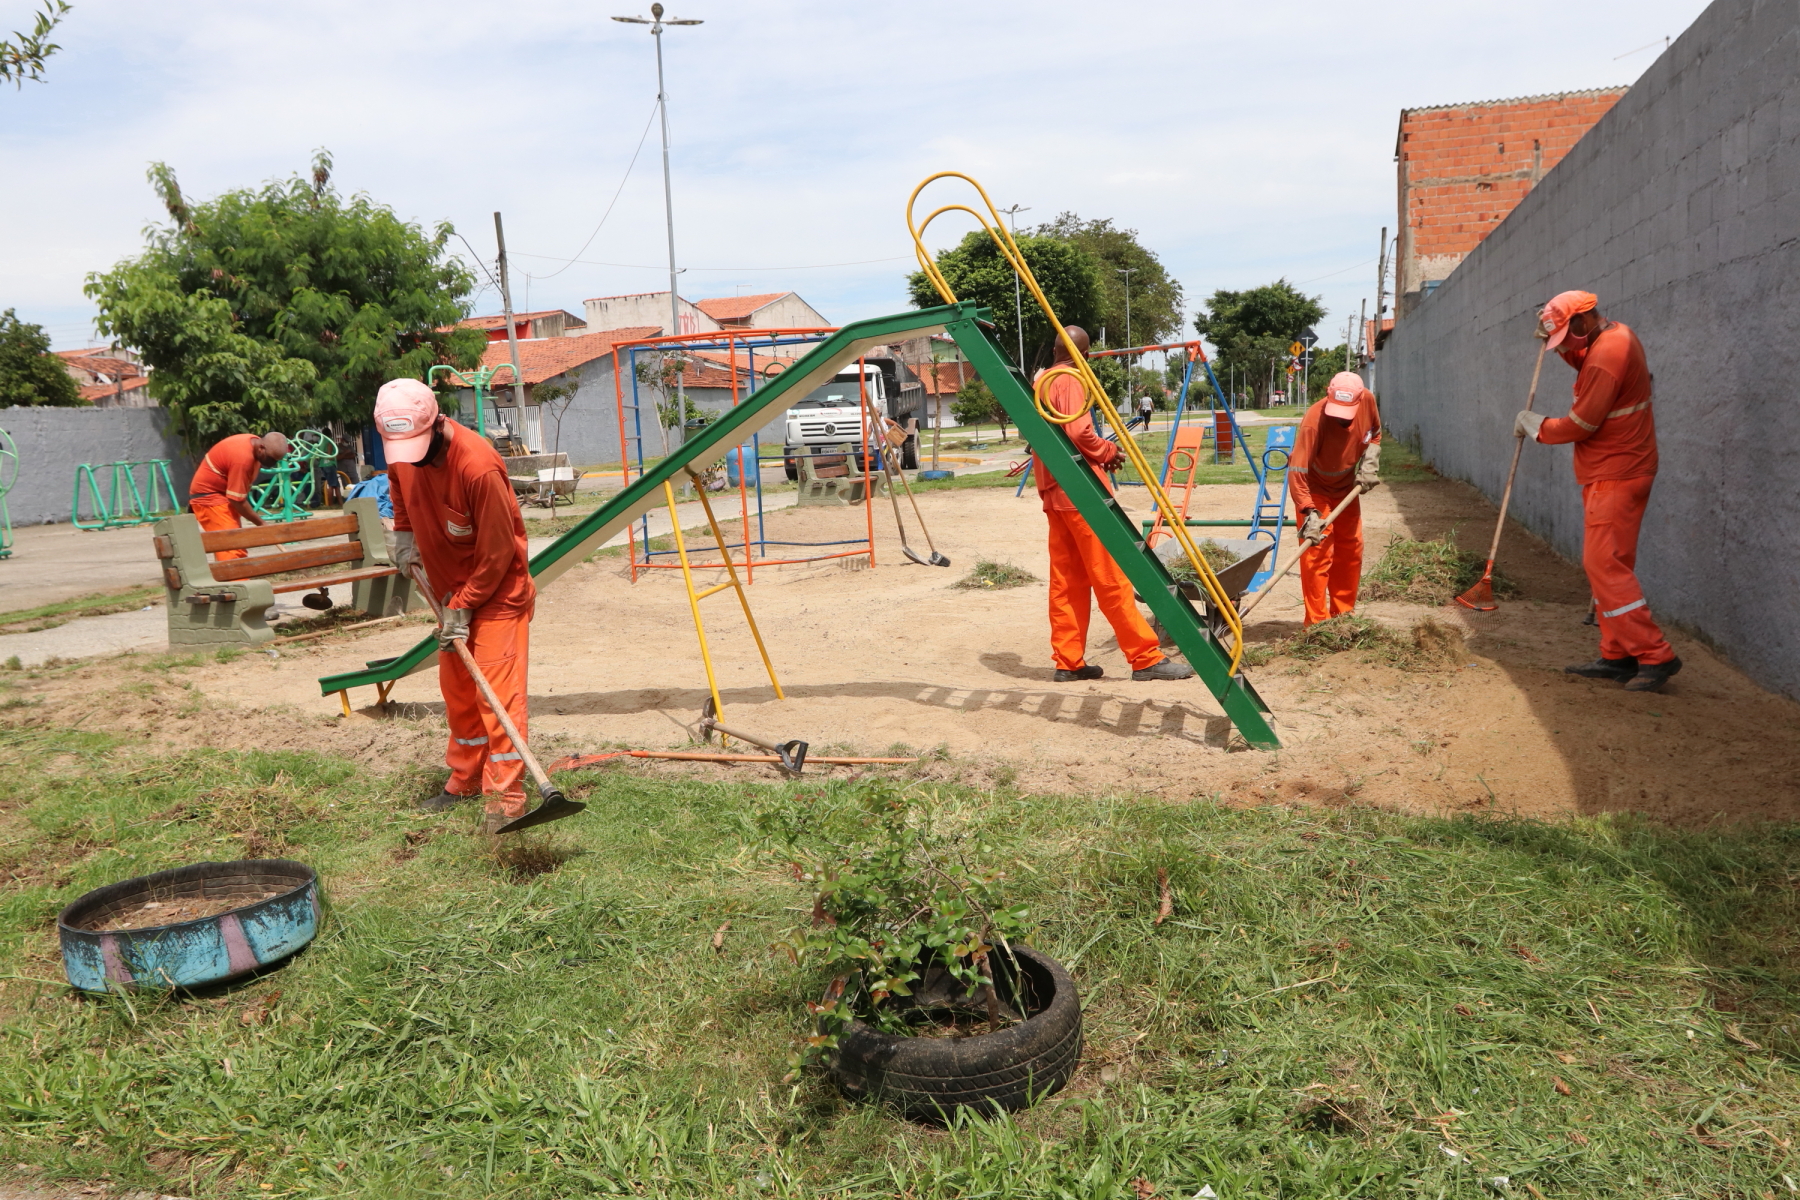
{"points": [[1614, 433], [219, 496], [1337, 451], [1081, 571], [454, 514]]}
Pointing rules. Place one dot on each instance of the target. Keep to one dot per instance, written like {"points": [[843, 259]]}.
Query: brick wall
{"points": [[1463, 168], [1681, 211]]}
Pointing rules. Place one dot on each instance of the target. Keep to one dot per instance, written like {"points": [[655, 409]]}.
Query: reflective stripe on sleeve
{"points": [[1582, 423], [1625, 412], [1619, 612]]}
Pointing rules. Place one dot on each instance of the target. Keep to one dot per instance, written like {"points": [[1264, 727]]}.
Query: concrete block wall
{"points": [[1680, 209], [53, 441]]}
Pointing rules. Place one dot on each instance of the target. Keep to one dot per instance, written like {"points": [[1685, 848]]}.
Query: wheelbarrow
{"points": [[1234, 579]]}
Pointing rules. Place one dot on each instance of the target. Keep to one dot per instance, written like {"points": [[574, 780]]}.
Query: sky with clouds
{"points": [[1243, 142]]}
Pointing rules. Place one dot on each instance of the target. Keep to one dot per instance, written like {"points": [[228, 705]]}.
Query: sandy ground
{"points": [[896, 656]]}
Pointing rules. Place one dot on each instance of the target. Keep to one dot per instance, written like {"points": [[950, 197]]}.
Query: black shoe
{"points": [[1168, 668], [1616, 669], [442, 802], [1651, 677], [1079, 673]]}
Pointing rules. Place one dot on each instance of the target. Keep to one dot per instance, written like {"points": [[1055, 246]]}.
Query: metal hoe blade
{"points": [[553, 806]]}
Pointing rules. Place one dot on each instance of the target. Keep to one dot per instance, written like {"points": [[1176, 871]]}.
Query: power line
{"points": [[617, 192]]}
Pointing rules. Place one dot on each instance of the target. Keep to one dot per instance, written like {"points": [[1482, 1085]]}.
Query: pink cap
{"points": [[1553, 319], [1343, 394], [406, 411]]}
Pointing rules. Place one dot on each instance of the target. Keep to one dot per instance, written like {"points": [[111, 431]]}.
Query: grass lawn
{"points": [[1343, 1003]]}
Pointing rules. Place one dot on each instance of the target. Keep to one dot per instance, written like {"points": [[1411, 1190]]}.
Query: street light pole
{"points": [[655, 22], [1018, 304], [1129, 362]]}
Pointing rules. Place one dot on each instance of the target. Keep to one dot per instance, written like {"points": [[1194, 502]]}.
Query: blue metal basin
{"points": [[197, 952]]}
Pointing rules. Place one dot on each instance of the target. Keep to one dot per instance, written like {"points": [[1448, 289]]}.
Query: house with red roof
{"points": [[548, 323], [770, 310], [108, 377]]}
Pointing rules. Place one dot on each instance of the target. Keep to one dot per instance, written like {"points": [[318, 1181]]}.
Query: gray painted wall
{"points": [[1681, 211], [53, 441]]}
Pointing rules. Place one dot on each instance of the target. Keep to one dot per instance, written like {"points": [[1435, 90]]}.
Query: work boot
{"points": [[1616, 669], [444, 801], [1652, 676], [1168, 668], [1079, 673]]}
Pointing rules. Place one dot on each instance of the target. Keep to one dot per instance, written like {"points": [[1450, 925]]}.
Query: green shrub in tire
{"points": [[929, 1078]]}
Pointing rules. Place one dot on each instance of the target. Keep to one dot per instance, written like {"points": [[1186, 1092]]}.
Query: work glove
{"points": [[455, 627], [405, 552], [1368, 471], [1527, 423], [1312, 527]]}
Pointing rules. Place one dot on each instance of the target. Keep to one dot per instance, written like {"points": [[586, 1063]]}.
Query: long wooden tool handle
{"points": [[538, 775], [1295, 561], [1518, 449]]}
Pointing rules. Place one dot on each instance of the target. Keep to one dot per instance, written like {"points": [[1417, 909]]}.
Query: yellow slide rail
{"points": [[1093, 395]]}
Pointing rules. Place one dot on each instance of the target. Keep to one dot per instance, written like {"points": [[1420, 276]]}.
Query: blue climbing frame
{"points": [[631, 430]]}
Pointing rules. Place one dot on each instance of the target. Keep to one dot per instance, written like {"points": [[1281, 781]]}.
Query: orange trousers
{"points": [[215, 517], [1082, 573], [1331, 571], [481, 757], [1612, 512]]}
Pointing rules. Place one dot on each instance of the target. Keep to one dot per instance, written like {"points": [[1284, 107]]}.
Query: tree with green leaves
{"points": [[1156, 302], [977, 271], [1252, 330], [976, 404], [22, 56], [1325, 364], [284, 306], [29, 373]]}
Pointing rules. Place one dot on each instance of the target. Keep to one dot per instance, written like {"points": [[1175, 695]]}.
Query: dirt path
{"points": [[896, 656]]}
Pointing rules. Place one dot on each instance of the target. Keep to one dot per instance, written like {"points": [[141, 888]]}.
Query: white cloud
{"points": [[1243, 142]]}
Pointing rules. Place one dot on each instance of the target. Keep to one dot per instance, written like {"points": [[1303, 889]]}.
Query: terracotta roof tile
{"points": [[736, 308], [498, 320], [546, 358]]}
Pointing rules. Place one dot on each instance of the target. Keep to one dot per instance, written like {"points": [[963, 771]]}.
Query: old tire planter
{"points": [[192, 953], [929, 1079]]}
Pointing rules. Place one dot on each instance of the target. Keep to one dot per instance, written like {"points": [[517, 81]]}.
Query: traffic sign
{"points": [[1310, 338], [1296, 349]]}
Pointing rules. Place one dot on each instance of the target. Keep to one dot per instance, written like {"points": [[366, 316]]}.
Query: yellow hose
{"points": [[1092, 392]]}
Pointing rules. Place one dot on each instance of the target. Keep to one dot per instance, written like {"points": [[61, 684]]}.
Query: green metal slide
{"points": [[963, 322]]}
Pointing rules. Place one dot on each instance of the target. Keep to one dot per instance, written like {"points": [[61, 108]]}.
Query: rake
{"points": [[1481, 596]]}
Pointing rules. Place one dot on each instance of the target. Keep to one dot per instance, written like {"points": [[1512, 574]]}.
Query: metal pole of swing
{"points": [[655, 22]]}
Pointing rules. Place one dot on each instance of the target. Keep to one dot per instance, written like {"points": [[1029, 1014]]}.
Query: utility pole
{"points": [[655, 22], [1129, 361], [1381, 273], [1362, 334], [512, 336], [1018, 304]]}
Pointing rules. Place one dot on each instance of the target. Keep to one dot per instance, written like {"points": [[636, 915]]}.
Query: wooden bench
{"points": [[225, 603]]}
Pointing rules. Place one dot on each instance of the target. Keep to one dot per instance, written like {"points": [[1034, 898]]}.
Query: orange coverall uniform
{"points": [[1614, 432], [1321, 472], [224, 475], [1082, 573], [467, 527]]}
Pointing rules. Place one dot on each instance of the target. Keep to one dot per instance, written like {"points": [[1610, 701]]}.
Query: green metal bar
{"points": [[86, 471], [733, 427], [1113, 526]]}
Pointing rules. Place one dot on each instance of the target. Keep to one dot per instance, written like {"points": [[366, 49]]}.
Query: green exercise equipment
{"points": [[288, 490], [126, 501], [9, 475]]}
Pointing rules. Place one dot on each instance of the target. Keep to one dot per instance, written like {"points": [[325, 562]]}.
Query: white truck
{"points": [[828, 422]]}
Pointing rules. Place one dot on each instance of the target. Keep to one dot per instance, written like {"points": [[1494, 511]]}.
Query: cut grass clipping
{"points": [[1217, 557], [1429, 572], [1431, 646], [1340, 1003], [989, 575]]}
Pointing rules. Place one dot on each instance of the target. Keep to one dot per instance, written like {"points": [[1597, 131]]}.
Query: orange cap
{"points": [[1343, 394], [1553, 319]]}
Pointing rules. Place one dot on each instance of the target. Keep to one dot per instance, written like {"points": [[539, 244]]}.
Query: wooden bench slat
{"points": [[261, 565], [273, 534], [318, 581]]}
